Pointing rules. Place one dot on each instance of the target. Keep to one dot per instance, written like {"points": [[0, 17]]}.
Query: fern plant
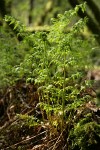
{"points": [[56, 63]]}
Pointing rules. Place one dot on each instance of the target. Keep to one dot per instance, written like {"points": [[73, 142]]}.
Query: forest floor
{"points": [[19, 130]]}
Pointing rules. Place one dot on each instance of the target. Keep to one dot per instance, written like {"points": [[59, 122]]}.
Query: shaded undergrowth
{"points": [[49, 102]]}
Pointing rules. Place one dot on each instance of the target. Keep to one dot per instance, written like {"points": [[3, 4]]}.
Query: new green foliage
{"points": [[56, 63], [55, 60]]}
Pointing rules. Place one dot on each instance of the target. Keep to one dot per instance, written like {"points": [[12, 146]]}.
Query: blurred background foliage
{"points": [[35, 14], [38, 12], [44, 74]]}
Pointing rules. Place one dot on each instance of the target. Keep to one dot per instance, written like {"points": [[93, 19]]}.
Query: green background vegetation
{"points": [[47, 49]]}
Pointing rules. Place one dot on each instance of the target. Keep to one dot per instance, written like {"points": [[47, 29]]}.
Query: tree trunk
{"points": [[2, 8], [30, 11]]}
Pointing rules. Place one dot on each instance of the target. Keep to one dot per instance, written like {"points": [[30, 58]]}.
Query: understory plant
{"points": [[85, 135], [12, 52], [56, 63]]}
